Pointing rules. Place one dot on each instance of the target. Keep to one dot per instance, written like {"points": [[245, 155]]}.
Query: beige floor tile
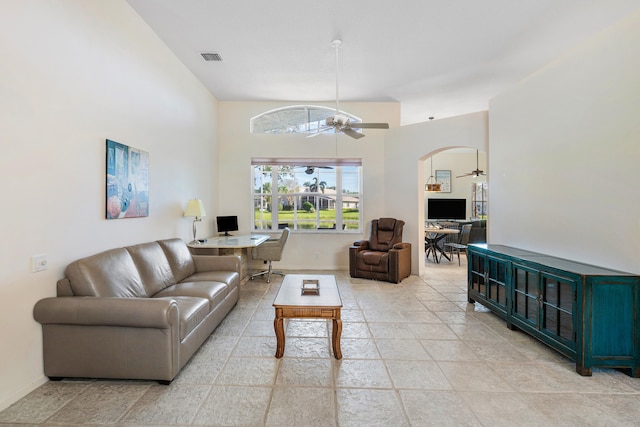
{"points": [[437, 408], [305, 372], [234, 406], [473, 376], [43, 402], [103, 402], [359, 348], [309, 407], [361, 373], [417, 374], [402, 349], [177, 404], [248, 371], [449, 350], [502, 409], [371, 408]]}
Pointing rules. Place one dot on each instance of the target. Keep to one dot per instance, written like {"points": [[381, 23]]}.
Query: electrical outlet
{"points": [[38, 263]]}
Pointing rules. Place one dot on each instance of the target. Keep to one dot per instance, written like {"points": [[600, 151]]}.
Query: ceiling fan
{"points": [[475, 173], [340, 122], [311, 169]]}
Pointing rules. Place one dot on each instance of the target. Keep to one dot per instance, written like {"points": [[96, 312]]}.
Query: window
{"points": [[296, 119], [479, 200], [306, 194]]}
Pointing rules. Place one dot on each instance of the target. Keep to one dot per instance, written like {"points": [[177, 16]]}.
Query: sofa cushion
{"points": [[180, 260], [231, 278], [213, 292], [108, 274], [192, 312], [373, 261], [153, 266]]}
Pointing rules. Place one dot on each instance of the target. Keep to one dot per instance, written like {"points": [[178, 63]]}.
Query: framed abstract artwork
{"points": [[444, 177], [127, 190]]}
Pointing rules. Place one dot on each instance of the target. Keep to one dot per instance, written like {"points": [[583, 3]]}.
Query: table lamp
{"points": [[195, 208]]}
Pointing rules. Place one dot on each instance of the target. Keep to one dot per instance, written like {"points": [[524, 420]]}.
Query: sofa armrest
{"points": [[399, 262], [97, 311], [361, 244], [214, 263], [401, 245]]}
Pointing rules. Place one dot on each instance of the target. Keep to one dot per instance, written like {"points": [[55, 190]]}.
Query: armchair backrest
{"points": [[385, 232], [271, 250]]}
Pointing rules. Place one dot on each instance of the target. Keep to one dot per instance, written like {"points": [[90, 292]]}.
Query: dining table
{"points": [[432, 236]]}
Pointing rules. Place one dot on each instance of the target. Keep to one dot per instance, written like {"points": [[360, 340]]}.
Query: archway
{"points": [[452, 167]]}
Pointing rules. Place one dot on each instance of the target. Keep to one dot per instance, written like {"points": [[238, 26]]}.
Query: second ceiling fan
{"points": [[340, 122], [475, 173]]}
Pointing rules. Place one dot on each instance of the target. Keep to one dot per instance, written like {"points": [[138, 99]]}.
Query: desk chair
{"points": [[461, 245], [270, 251]]}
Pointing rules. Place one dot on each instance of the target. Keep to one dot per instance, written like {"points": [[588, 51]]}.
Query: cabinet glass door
{"points": [[558, 305], [497, 279], [477, 279], [526, 294]]}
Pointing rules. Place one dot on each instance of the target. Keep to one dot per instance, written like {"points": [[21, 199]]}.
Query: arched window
{"points": [[295, 119]]}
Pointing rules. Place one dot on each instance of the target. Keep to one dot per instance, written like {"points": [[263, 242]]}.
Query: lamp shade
{"points": [[195, 207]]}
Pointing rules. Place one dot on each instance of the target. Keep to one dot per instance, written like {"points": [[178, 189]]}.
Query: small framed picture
{"points": [[444, 178]]}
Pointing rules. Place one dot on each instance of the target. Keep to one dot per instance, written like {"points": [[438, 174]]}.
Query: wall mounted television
{"points": [[443, 209], [226, 224]]}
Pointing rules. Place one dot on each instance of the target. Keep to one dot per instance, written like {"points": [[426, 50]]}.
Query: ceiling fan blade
{"points": [[352, 133], [466, 174], [370, 125]]}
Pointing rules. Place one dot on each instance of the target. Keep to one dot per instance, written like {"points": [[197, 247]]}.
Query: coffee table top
{"points": [[290, 293]]}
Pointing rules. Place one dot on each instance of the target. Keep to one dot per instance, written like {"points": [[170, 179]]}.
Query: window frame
{"points": [[296, 198], [309, 127]]}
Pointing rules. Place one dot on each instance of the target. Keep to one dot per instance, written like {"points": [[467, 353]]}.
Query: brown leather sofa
{"points": [[383, 256], [138, 312]]}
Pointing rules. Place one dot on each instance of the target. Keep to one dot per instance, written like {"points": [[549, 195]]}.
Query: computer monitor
{"points": [[226, 224]]}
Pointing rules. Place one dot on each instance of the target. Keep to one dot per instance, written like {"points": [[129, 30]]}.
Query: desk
{"points": [[432, 236], [230, 245]]}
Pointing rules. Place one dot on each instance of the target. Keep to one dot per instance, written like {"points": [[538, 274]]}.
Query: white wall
{"points": [[405, 150], [565, 154], [73, 73], [322, 250]]}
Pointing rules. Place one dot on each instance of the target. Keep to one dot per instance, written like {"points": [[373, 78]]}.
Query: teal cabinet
{"points": [[588, 313]]}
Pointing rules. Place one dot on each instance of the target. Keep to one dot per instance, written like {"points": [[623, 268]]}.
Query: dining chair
{"points": [[460, 245]]}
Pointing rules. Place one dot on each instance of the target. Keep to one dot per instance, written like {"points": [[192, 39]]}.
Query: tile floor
{"points": [[414, 354]]}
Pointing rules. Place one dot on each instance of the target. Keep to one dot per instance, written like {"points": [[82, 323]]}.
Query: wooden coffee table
{"points": [[290, 303]]}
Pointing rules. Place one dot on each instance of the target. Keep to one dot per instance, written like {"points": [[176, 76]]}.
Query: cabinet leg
{"points": [[585, 372]]}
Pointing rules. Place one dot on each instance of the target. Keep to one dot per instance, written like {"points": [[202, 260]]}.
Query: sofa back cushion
{"points": [[108, 274], [153, 266], [179, 257]]}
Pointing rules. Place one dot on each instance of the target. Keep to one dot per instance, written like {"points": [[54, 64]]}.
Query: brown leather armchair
{"points": [[383, 256]]}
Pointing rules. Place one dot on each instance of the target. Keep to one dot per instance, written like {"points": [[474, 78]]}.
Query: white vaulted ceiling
{"points": [[436, 58]]}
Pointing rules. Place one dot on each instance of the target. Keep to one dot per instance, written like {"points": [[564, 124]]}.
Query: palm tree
{"points": [[313, 187]]}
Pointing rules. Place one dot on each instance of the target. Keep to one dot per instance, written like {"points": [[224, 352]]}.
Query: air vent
{"points": [[211, 57]]}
